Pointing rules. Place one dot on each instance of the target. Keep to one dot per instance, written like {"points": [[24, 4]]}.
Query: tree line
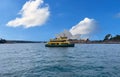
{"points": [[109, 37], [2, 40]]}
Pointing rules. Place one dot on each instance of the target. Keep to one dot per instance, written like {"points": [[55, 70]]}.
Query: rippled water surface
{"points": [[83, 60]]}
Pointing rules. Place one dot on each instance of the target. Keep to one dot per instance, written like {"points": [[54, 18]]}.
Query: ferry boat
{"points": [[59, 42]]}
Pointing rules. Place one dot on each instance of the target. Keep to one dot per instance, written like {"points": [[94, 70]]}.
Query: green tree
{"points": [[107, 37], [116, 38]]}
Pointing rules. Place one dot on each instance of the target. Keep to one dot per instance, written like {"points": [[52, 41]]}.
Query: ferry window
{"points": [[64, 43], [52, 44]]}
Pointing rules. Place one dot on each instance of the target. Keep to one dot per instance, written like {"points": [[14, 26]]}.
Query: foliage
{"points": [[107, 37], [116, 38]]}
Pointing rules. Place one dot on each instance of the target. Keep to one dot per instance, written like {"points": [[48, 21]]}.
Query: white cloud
{"points": [[84, 27], [80, 31], [32, 14]]}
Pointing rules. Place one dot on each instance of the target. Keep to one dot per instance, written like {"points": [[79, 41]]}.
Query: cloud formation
{"points": [[80, 31], [32, 14], [84, 27]]}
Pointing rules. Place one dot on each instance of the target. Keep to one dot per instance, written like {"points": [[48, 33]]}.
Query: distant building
{"points": [[79, 41]]}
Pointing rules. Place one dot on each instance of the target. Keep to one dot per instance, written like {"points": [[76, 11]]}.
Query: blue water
{"points": [[83, 60]]}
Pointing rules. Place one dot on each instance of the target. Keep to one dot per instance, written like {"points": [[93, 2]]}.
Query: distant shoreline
{"points": [[20, 41], [98, 43], [102, 42], [91, 42], [72, 41]]}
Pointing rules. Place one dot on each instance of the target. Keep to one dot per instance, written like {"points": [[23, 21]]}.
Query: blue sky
{"points": [[63, 14]]}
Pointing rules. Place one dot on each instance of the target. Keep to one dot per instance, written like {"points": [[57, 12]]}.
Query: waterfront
{"points": [[36, 60]]}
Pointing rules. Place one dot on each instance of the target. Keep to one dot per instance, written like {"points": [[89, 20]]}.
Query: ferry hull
{"points": [[69, 45]]}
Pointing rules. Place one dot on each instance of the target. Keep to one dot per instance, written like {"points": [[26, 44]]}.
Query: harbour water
{"points": [[36, 60]]}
